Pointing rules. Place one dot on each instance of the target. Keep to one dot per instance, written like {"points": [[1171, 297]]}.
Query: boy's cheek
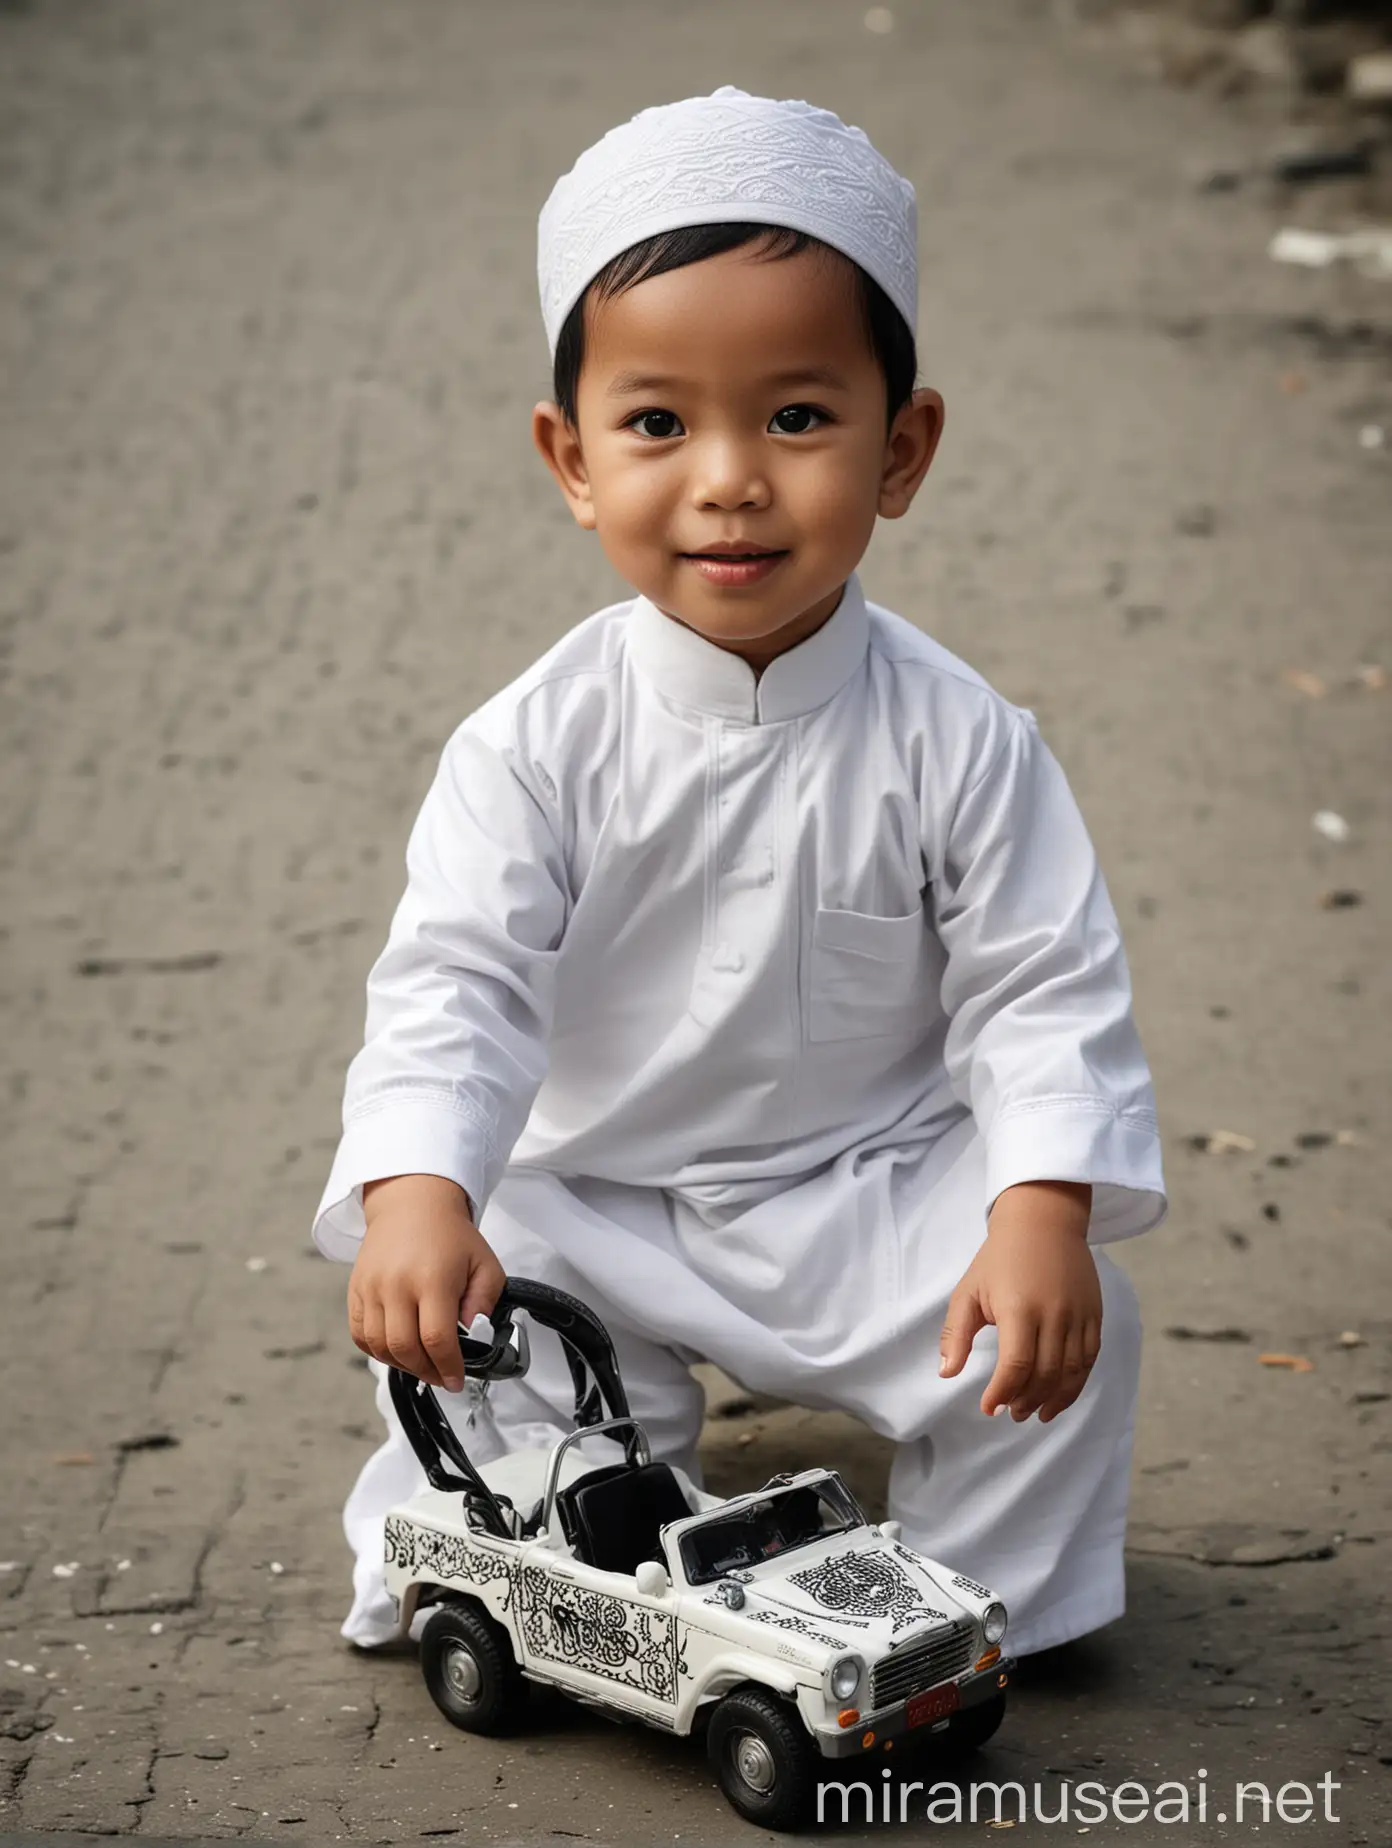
{"points": [[632, 517], [639, 557]]}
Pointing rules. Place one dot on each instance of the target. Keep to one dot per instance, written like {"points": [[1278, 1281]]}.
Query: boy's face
{"points": [[731, 448]]}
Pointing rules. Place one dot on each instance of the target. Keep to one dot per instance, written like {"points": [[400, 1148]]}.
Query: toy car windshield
{"points": [[761, 1530]]}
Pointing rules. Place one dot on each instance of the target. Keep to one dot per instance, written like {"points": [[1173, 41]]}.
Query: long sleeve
{"points": [[459, 1002], [1041, 1042]]}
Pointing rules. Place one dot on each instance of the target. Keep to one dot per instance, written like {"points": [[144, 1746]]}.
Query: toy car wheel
{"points": [[969, 1731], [471, 1671], [763, 1758]]}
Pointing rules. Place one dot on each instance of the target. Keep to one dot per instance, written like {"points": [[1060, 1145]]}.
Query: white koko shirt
{"points": [[672, 925]]}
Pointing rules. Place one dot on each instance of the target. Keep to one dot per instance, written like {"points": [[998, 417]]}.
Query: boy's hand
{"points": [[423, 1268], [1035, 1279]]}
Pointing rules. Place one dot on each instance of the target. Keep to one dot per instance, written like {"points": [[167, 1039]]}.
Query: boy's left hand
{"points": [[1035, 1279]]}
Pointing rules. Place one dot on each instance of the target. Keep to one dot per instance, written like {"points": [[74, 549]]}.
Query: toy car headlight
{"points": [[845, 1675], [993, 1623]]}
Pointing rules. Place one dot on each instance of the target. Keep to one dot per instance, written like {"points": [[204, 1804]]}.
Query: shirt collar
{"points": [[692, 672]]}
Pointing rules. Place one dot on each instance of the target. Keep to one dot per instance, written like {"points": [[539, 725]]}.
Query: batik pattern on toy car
{"points": [[425, 1552], [797, 1625], [868, 1585], [608, 1636]]}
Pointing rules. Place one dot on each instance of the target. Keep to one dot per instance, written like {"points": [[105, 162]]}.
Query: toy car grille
{"points": [[922, 1664]]}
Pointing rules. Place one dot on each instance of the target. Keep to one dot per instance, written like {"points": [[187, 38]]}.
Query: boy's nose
{"points": [[727, 477]]}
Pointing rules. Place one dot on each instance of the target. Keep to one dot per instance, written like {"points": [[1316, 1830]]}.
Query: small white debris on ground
{"points": [[1369, 251], [1228, 1142], [1370, 77], [1333, 827]]}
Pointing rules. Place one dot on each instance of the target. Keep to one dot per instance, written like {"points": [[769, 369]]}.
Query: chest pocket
{"points": [[870, 975]]}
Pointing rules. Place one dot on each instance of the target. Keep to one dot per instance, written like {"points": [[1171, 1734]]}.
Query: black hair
{"points": [[890, 336]]}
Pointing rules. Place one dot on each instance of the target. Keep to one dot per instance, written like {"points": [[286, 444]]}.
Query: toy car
{"points": [[782, 1623]]}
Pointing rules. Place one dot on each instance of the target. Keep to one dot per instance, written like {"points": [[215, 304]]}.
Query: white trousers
{"points": [[830, 1292]]}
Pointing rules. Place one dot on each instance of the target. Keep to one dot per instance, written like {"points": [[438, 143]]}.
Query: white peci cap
{"points": [[720, 159]]}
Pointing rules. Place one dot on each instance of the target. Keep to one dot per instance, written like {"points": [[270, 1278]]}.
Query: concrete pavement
{"points": [[270, 524]]}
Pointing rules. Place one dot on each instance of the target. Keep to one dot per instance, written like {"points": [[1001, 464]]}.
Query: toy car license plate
{"points": [[932, 1704]]}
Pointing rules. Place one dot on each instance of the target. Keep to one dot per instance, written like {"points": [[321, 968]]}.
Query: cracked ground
{"points": [[270, 525]]}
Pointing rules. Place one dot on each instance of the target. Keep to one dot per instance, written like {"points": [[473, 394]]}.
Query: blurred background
{"points": [[271, 524]]}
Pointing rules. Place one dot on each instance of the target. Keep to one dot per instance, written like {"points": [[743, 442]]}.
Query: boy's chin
{"points": [[738, 630], [732, 616]]}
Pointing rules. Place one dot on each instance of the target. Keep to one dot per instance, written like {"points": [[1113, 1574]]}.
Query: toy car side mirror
{"points": [[651, 1578], [892, 1530]]}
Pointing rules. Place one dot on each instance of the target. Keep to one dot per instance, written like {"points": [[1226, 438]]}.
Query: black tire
{"points": [[471, 1671], [971, 1730], [763, 1758]]}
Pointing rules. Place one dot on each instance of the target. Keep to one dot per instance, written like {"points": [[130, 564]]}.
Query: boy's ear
{"points": [[558, 442], [913, 440]]}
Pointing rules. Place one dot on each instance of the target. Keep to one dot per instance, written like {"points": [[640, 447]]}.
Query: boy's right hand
{"points": [[422, 1269]]}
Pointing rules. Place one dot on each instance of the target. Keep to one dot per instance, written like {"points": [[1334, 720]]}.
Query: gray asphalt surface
{"points": [[270, 524]]}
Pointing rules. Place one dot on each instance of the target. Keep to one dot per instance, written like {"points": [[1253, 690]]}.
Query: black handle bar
{"points": [[594, 1372]]}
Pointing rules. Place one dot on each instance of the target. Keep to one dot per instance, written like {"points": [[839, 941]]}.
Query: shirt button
{"points": [[727, 957]]}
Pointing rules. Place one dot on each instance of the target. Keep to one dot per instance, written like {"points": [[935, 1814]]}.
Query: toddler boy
{"points": [[755, 979]]}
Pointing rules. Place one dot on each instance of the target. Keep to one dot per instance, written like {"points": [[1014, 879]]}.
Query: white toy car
{"points": [[782, 1623]]}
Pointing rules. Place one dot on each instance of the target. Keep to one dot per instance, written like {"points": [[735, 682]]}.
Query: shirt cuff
{"points": [[403, 1133], [1087, 1140]]}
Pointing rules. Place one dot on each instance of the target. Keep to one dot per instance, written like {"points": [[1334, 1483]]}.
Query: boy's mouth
{"points": [[735, 564]]}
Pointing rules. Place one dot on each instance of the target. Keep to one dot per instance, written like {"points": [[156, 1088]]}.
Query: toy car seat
{"points": [[614, 1515]]}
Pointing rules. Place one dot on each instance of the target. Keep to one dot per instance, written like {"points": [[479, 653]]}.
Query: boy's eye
{"points": [[796, 419], [656, 424]]}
